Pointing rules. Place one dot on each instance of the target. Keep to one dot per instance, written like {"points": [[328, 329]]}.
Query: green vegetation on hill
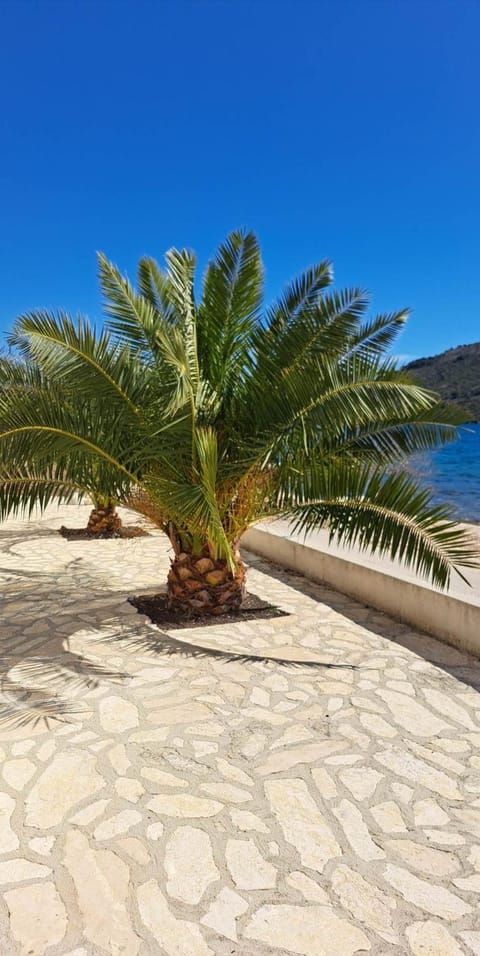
{"points": [[454, 374]]}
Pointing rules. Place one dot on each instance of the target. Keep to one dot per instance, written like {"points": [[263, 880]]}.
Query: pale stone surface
{"points": [[434, 899], [361, 781], [37, 917], [427, 813], [472, 940], [184, 805], [411, 715], [117, 714], [69, 778], [208, 743], [432, 939], [18, 772], [101, 881], [42, 845], [365, 902], [189, 864], [324, 782], [117, 825], [224, 912], [135, 849], [248, 868], [424, 859], [163, 778], [129, 788], [356, 831], [90, 813], [8, 838], [413, 769], [312, 892], [245, 820], [302, 823], [177, 937], [15, 871], [309, 931]]}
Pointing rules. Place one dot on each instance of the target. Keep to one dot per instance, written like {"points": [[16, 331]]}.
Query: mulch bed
{"points": [[154, 606], [81, 534]]}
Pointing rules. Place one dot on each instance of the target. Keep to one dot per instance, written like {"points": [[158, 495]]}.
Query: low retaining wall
{"points": [[445, 616]]}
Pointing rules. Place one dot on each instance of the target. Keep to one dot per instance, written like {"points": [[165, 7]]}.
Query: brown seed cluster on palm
{"points": [[206, 413]]}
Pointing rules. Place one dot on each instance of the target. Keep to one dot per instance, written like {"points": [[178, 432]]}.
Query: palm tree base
{"points": [[104, 522], [200, 587]]}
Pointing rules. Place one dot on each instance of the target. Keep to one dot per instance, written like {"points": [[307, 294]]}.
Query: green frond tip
{"points": [[391, 516]]}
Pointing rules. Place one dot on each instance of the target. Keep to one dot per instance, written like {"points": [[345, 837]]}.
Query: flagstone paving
{"points": [[308, 784]]}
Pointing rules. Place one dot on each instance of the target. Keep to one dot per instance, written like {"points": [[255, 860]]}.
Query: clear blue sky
{"points": [[340, 129]]}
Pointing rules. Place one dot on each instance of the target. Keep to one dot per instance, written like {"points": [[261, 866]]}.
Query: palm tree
{"points": [[208, 416], [20, 380]]}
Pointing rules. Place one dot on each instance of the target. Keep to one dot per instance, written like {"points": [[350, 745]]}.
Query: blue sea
{"points": [[453, 472]]}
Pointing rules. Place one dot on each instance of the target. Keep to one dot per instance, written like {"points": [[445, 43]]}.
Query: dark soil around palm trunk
{"points": [[155, 607], [83, 534]]}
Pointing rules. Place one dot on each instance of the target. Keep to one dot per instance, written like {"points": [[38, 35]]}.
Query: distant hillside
{"points": [[455, 375]]}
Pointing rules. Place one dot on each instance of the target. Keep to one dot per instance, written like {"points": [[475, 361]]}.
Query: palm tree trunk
{"points": [[104, 521], [199, 587]]}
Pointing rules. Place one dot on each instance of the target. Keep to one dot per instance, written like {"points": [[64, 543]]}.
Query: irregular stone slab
{"points": [[276, 763], [233, 773], [427, 813], [8, 838], [42, 845], [377, 726], [361, 781], [431, 939], [426, 895], [444, 837], [117, 714], [183, 714], [301, 821], [245, 821], [227, 792], [469, 883], [425, 859], [38, 919], [162, 777], [135, 849], [90, 813], [224, 912], [176, 937], [293, 735], [365, 901], [101, 880], [115, 826], [129, 788], [312, 892], [189, 864], [324, 782], [470, 820], [18, 772], [388, 817], [411, 715], [473, 941], [405, 765], [307, 930], [119, 760], [356, 831], [446, 705], [14, 871], [70, 778], [184, 805], [248, 868]]}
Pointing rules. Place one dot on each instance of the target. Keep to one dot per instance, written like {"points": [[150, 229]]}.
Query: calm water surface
{"points": [[454, 473]]}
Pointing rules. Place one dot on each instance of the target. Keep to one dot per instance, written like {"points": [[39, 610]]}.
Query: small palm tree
{"points": [[208, 416]]}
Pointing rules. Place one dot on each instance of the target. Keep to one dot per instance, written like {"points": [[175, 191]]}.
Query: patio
{"points": [[308, 784]]}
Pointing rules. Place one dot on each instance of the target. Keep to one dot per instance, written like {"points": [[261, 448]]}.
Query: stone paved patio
{"points": [[308, 784]]}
